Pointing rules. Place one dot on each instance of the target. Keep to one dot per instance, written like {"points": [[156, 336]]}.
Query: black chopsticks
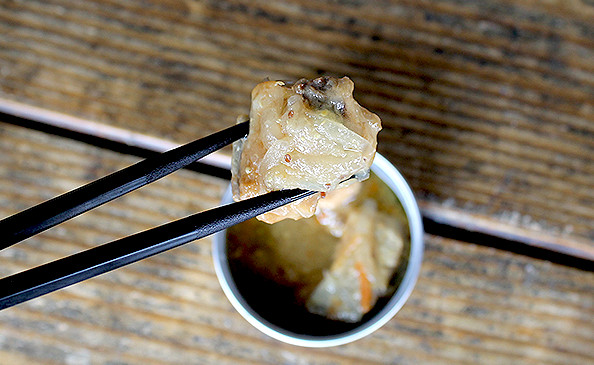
{"points": [[69, 270], [58, 274], [59, 209]]}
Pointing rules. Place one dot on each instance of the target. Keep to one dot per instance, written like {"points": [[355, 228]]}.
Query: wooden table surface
{"points": [[488, 111]]}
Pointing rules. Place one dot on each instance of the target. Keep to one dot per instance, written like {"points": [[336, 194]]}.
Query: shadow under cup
{"points": [[271, 308]]}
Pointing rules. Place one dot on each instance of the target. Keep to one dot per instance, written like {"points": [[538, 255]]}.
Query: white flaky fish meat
{"points": [[364, 261], [311, 135]]}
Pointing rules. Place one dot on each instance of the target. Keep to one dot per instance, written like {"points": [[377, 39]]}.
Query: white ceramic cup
{"points": [[379, 316]]}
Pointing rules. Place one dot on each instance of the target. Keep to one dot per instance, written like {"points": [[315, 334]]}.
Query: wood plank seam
{"points": [[580, 257]]}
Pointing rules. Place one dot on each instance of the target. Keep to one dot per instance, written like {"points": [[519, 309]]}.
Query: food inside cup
{"points": [[336, 264]]}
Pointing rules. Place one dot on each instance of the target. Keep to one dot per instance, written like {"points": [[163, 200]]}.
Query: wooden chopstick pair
{"points": [[58, 274]]}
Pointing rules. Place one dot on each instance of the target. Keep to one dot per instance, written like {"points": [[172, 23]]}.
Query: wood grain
{"points": [[471, 304], [488, 107]]}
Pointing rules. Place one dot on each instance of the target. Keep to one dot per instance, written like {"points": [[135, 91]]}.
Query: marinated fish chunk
{"points": [[364, 262], [389, 237], [332, 210], [311, 134]]}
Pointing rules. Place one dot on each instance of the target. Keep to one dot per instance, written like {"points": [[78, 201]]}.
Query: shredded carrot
{"points": [[364, 287]]}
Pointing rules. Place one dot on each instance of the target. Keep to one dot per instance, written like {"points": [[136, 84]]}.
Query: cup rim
{"points": [[390, 176]]}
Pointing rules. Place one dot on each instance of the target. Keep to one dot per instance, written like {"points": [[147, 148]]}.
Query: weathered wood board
{"points": [[488, 107], [471, 304]]}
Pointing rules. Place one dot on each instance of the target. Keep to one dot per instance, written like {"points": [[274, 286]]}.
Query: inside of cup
{"points": [[276, 304]]}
